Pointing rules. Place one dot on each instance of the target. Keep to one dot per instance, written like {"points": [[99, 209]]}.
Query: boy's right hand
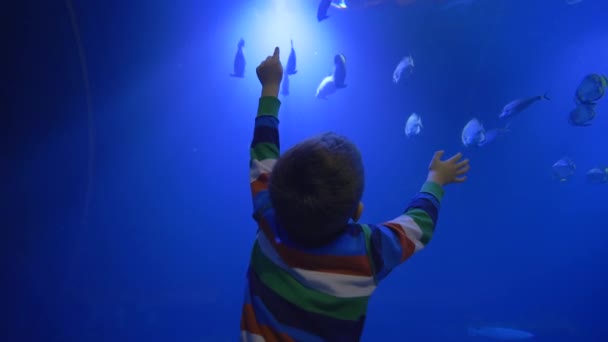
{"points": [[270, 74], [449, 171]]}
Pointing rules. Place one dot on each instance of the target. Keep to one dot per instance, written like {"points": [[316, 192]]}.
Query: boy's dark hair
{"points": [[315, 188]]}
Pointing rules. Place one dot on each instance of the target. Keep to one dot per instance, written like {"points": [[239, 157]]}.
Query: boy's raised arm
{"points": [[393, 242], [265, 148]]}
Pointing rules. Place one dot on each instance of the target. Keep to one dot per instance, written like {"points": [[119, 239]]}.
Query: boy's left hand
{"points": [[270, 74]]}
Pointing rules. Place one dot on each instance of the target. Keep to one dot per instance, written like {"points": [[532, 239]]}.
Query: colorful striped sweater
{"points": [[321, 294]]}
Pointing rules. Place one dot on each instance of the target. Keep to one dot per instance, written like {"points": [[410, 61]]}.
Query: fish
{"points": [[499, 333], [339, 71], [597, 175], [591, 89], [406, 64], [331, 83], [573, 2], [517, 106], [326, 87], [563, 169], [582, 115], [291, 62], [322, 10], [473, 133], [413, 126], [239, 61], [285, 85]]}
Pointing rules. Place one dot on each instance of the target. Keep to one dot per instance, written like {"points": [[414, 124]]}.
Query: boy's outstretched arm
{"points": [[393, 242], [265, 148]]}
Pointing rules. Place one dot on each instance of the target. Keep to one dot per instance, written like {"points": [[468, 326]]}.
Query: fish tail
{"points": [[546, 96]]}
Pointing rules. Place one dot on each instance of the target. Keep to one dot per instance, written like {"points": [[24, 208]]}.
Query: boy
{"points": [[311, 271]]}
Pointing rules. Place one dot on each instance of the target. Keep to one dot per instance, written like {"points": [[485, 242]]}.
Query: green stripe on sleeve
{"points": [[433, 189], [264, 151], [424, 221], [269, 105]]}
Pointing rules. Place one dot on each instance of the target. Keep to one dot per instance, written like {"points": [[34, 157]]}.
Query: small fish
{"points": [[473, 133], [285, 85], [291, 62], [405, 65], [573, 2], [517, 106], [500, 333], [582, 115], [327, 87], [597, 175], [591, 89], [413, 126], [322, 10], [339, 71], [563, 169], [239, 61]]}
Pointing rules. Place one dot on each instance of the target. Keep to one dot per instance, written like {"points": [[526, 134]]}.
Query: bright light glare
{"points": [[269, 23], [341, 4]]}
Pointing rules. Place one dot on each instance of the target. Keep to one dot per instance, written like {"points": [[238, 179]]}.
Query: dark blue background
{"points": [[163, 251]]}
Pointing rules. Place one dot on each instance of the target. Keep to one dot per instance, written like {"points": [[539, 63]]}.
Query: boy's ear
{"points": [[358, 212]]}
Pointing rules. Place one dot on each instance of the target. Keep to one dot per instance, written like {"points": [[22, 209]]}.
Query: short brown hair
{"points": [[315, 188]]}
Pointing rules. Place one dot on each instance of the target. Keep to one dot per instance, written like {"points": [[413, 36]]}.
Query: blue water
{"points": [[152, 245]]}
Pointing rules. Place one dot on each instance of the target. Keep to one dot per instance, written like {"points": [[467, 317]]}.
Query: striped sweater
{"points": [[321, 294]]}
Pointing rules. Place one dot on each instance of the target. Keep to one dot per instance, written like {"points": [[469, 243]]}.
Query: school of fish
{"points": [[591, 89]]}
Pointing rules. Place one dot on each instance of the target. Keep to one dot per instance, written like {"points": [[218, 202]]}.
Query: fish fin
{"points": [[546, 96], [321, 18], [341, 86], [235, 75]]}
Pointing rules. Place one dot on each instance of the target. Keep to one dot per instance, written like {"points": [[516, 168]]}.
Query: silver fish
{"points": [[322, 10], [239, 61], [290, 69], [406, 65], [518, 106], [582, 115], [597, 175], [591, 89], [563, 169], [413, 126], [473, 133], [326, 87], [500, 333]]}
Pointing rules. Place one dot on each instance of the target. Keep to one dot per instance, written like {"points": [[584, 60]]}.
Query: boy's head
{"points": [[316, 187]]}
